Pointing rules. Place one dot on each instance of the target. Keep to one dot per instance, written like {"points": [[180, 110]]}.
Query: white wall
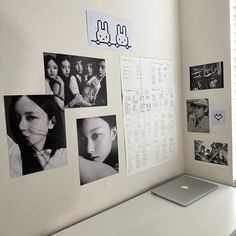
{"points": [[45, 202], [205, 38]]}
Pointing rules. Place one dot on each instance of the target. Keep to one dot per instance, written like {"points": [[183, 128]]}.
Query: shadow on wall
{"points": [[233, 233]]}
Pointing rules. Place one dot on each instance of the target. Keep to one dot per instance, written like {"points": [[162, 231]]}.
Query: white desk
{"points": [[148, 215]]}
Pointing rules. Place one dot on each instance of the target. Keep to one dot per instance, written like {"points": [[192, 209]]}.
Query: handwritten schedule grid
{"points": [[148, 102]]}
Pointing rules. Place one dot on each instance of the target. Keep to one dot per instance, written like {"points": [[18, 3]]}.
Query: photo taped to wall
{"points": [[98, 148], [76, 81], [35, 134], [198, 115], [211, 152], [207, 76]]}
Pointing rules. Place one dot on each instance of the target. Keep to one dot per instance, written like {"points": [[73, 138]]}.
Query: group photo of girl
{"points": [[98, 150], [207, 76], [35, 134], [75, 81], [211, 152]]}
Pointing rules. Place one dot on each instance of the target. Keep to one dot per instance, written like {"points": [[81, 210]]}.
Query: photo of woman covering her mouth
{"points": [[98, 151], [35, 134]]}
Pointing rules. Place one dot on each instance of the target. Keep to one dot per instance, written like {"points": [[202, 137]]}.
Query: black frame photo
{"points": [[198, 115], [77, 81], [211, 152], [98, 148], [207, 76], [36, 135]]}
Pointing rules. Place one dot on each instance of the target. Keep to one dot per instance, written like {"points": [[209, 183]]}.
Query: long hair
{"points": [[68, 94], [55, 137], [74, 60], [112, 158], [91, 62], [46, 59], [60, 58]]}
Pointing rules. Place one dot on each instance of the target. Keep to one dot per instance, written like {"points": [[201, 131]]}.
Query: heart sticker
{"points": [[218, 116]]}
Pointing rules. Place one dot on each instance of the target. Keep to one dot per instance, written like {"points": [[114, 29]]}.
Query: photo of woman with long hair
{"points": [[93, 84], [101, 99], [36, 134], [98, 150], [54, 83], [77, 82], [64, 63], [65, 66]]}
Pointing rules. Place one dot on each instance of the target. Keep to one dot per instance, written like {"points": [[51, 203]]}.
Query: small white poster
{"points": [[108, 32], [218, 117]]}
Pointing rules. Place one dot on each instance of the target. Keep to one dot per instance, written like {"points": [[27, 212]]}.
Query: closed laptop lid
{"points": [[184, 190]]}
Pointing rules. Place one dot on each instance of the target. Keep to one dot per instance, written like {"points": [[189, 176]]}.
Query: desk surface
{"points": [[214, 214]]}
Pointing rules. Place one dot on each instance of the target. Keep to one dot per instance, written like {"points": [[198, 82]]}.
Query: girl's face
{"points": [[102, 69], [97, 138], [79, 67], [52, 69], [89, 68], [33, 122], [65, 68], [199, 111]]}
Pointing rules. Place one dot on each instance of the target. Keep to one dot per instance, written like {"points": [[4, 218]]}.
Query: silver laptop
{"points": [[184, 190]]}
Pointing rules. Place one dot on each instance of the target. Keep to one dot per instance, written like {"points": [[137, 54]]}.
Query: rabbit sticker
{"points": [[102, 33], [108, 32], [121, 36]]}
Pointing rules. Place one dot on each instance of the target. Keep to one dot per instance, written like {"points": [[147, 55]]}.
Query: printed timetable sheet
{"points": [[149, 112]]}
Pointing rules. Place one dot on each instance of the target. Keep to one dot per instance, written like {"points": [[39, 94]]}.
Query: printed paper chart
{"points": [[148, 104]]}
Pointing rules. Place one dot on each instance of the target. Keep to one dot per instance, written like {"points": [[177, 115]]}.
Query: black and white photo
{"points": [[35, 134], [207, 76], [198, 115], [98, 149], [75, 81], [211, 152]]}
